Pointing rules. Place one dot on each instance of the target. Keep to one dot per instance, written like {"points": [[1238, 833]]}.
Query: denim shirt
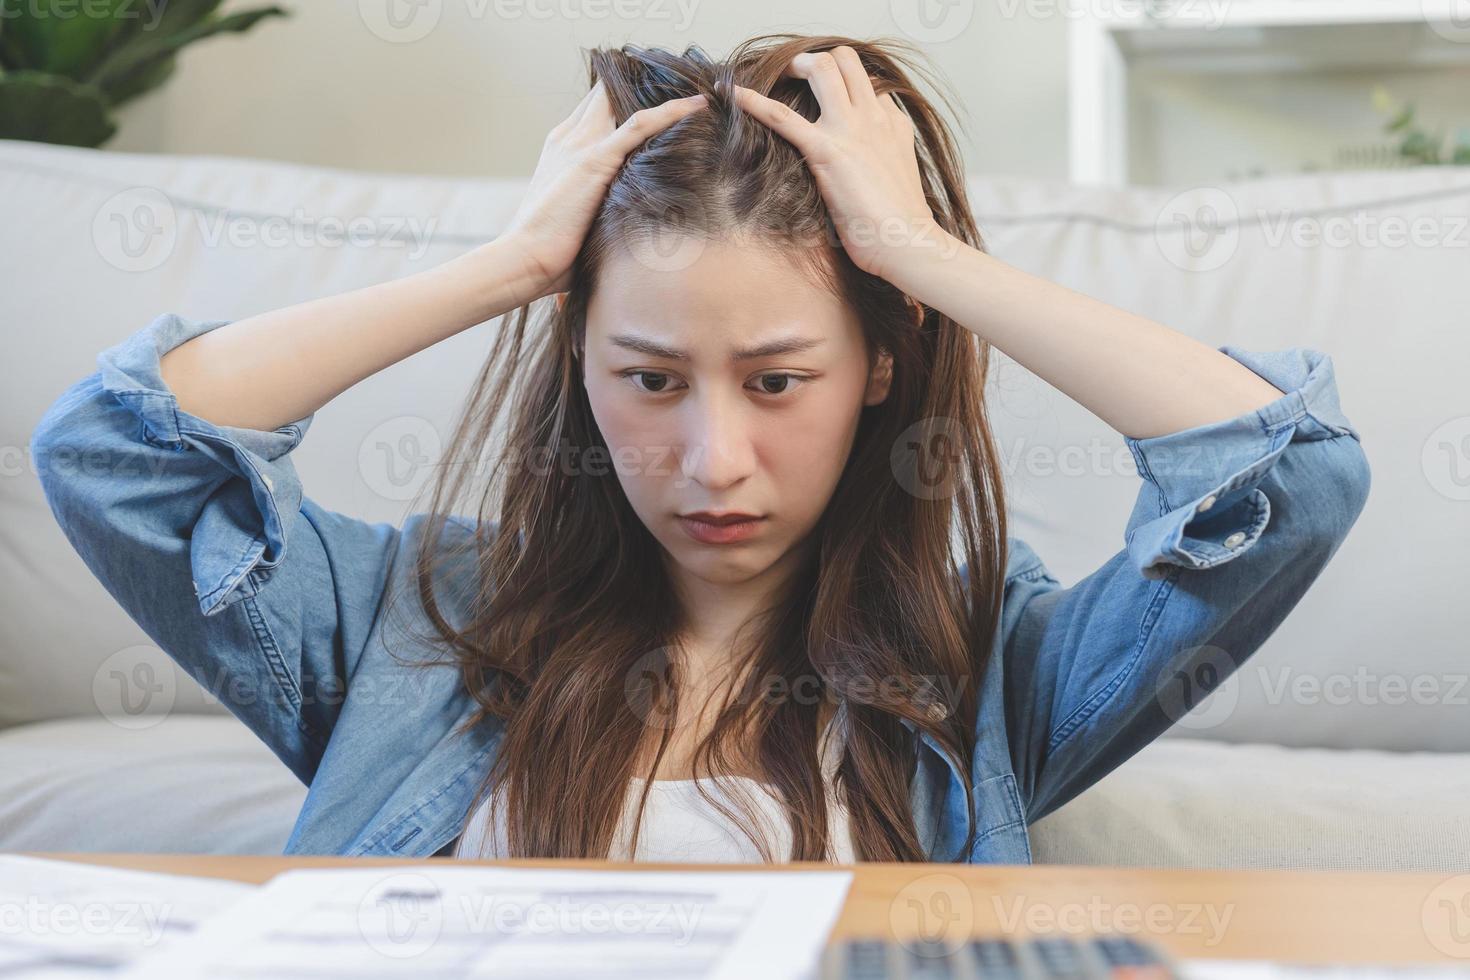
{"points": [[273, 603]]}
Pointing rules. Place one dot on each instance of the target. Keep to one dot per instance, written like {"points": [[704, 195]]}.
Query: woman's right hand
{"points": [[578, 162]]}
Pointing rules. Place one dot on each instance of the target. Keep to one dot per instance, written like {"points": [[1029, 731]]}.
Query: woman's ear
{"points": [[880, 378], [917, 309]]}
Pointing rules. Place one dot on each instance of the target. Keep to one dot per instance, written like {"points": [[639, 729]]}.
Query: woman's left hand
{"points": [[861, 152]]}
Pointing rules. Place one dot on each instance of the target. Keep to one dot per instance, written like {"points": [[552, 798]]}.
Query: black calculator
{"points": [[1061, 957]]}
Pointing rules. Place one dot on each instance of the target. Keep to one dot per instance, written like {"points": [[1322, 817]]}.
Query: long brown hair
{"points": [[570, 642]]}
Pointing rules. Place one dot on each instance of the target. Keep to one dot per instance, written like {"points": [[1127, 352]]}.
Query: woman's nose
{"points": [[718, 449]]}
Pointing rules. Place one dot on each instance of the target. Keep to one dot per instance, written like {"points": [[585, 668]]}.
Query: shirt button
{"points": [[1234, 540], [1206, 504]]}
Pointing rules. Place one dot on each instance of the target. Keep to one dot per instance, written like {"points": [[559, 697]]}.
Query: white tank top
{"points": [[681, 826]]}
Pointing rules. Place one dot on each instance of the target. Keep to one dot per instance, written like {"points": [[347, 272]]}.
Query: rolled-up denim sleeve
{"points": [[1201, 502], [202, 534], [1233, 523], [239, 535]]}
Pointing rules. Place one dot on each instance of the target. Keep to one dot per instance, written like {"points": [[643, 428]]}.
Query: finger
{"points": [[820, 70], [891, 105], [581, 107], [646, 122], [598, 112], [799, 131], [859, 86]]}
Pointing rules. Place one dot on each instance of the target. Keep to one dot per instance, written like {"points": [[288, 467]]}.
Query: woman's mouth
{"points": [[709, 528]]}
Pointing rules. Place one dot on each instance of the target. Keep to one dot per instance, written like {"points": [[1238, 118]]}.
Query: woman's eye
{"points": [[656, 387], [656, 383], [782, 383]]}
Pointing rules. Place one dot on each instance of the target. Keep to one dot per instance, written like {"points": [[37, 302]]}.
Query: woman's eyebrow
{"points": [[770, 348]]}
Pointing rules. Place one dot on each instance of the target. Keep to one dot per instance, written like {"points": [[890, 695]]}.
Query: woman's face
{"points": [[726, 382]]}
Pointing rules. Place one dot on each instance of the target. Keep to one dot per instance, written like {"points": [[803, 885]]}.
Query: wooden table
{"points": [[1346, 917]]}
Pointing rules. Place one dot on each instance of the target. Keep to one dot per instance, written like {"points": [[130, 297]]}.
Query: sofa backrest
{"points": [[1366, 267]]}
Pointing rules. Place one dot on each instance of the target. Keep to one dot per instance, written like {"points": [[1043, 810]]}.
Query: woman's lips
{"points": [[706, 533]]}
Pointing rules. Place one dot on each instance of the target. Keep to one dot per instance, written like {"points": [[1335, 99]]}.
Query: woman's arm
{"points": [[264, 371], [1142, 378]]}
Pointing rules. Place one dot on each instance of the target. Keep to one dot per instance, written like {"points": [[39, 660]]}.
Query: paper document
{"points": [[430, 921], [1202, 969], [65, 919]]}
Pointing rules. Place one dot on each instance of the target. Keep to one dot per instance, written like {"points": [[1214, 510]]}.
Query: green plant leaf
{"points": [[63, 37], [52, 109], [179, 14], [1401, 121], [144, 80], [120, 74], [158, 18]]}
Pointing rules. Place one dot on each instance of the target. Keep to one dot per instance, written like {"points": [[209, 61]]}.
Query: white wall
{"points": [[478, 91]]}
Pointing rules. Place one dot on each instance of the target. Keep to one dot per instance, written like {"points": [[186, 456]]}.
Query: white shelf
{"points": [[1119, 42]]}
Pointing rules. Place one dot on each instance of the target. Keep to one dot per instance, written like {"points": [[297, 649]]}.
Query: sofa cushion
{"points": [[1190, 803], [189, 784], [206, 785]]}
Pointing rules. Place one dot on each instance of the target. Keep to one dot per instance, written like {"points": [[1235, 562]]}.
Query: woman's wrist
{"points": [[501, 277], [919, 266]]}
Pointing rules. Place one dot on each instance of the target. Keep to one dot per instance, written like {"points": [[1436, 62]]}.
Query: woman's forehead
{"points": [[726, 296]]}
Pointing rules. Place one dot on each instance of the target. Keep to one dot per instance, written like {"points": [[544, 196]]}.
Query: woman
{"points": [[739, 449]]}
